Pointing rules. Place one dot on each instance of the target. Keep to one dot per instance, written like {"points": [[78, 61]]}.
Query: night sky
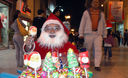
{"points": [[73, 7]]}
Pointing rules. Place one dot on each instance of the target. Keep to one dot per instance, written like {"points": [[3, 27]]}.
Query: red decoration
{"points": [[84, 60], [109, 24], [24, 8]]}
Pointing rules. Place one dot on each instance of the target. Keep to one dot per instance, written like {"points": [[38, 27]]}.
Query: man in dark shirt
{"points": [[126, 37], [39, 21]]}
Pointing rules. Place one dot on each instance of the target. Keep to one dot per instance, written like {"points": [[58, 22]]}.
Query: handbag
{"points": [[22, 30]]}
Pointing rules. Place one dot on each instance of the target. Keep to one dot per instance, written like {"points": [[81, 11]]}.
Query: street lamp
{"points": [[67, 17], [102, 5]]}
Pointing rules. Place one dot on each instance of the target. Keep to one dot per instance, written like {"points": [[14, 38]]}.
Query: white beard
{"points": [[55, 42], [34, 64]]}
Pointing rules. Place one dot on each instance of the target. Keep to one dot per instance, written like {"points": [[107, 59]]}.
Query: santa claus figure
{"points": [[54, 37], [34, 60], [32, 31], [32, 34]]}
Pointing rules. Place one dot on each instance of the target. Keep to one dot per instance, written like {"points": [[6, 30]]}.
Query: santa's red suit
{"points": [[64, 49], [45, 44]]}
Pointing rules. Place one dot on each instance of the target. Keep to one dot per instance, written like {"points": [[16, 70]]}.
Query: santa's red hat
{"points": [[53, 19]]}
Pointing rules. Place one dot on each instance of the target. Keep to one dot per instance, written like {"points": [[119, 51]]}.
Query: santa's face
{"points": [[32, 31], [85, 60], [52, 29], [35, 61], [52, 36]]}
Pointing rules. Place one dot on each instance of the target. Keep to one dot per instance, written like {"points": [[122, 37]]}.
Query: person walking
{"points": [[126, 37], [1, 26], [108, 44], [118, 37], [93, 30], [39, 21], [18, 38], [57, 12]]}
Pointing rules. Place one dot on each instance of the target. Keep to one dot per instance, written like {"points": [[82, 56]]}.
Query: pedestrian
{"points": [[39, 20], [93, 30], [108, 44], [71, 37], [118, 37], [126, 38], [18, 38], [57, 12], [1, 26]]}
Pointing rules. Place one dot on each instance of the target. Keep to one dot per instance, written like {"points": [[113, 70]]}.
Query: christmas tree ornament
{"points": [[72, 60], [48, 64], [54, 57]]}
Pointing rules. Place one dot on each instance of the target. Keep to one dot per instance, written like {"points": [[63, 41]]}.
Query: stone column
{"points": [[125, 14], [36, 7]]}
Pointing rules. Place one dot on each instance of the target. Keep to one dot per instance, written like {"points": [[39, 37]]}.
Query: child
{"points": [[108, 44]]}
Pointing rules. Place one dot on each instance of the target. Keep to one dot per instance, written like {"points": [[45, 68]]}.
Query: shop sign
{"points": [[22, 6], [116, 10]]}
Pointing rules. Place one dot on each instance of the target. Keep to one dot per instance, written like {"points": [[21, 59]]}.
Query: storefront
{"points": [[4, 16], [7, 9]]}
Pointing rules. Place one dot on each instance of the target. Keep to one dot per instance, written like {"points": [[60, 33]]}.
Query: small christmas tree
{"points": [[48, 64], [72, 60]]}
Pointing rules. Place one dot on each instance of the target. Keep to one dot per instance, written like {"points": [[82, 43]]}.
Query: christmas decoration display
{"points": [[32, 31], [54, 57], [48, 64], [33, 63], [51, 66], [34, 60], [59, 59], [30, 73], [72, 60], [84, 61]]}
